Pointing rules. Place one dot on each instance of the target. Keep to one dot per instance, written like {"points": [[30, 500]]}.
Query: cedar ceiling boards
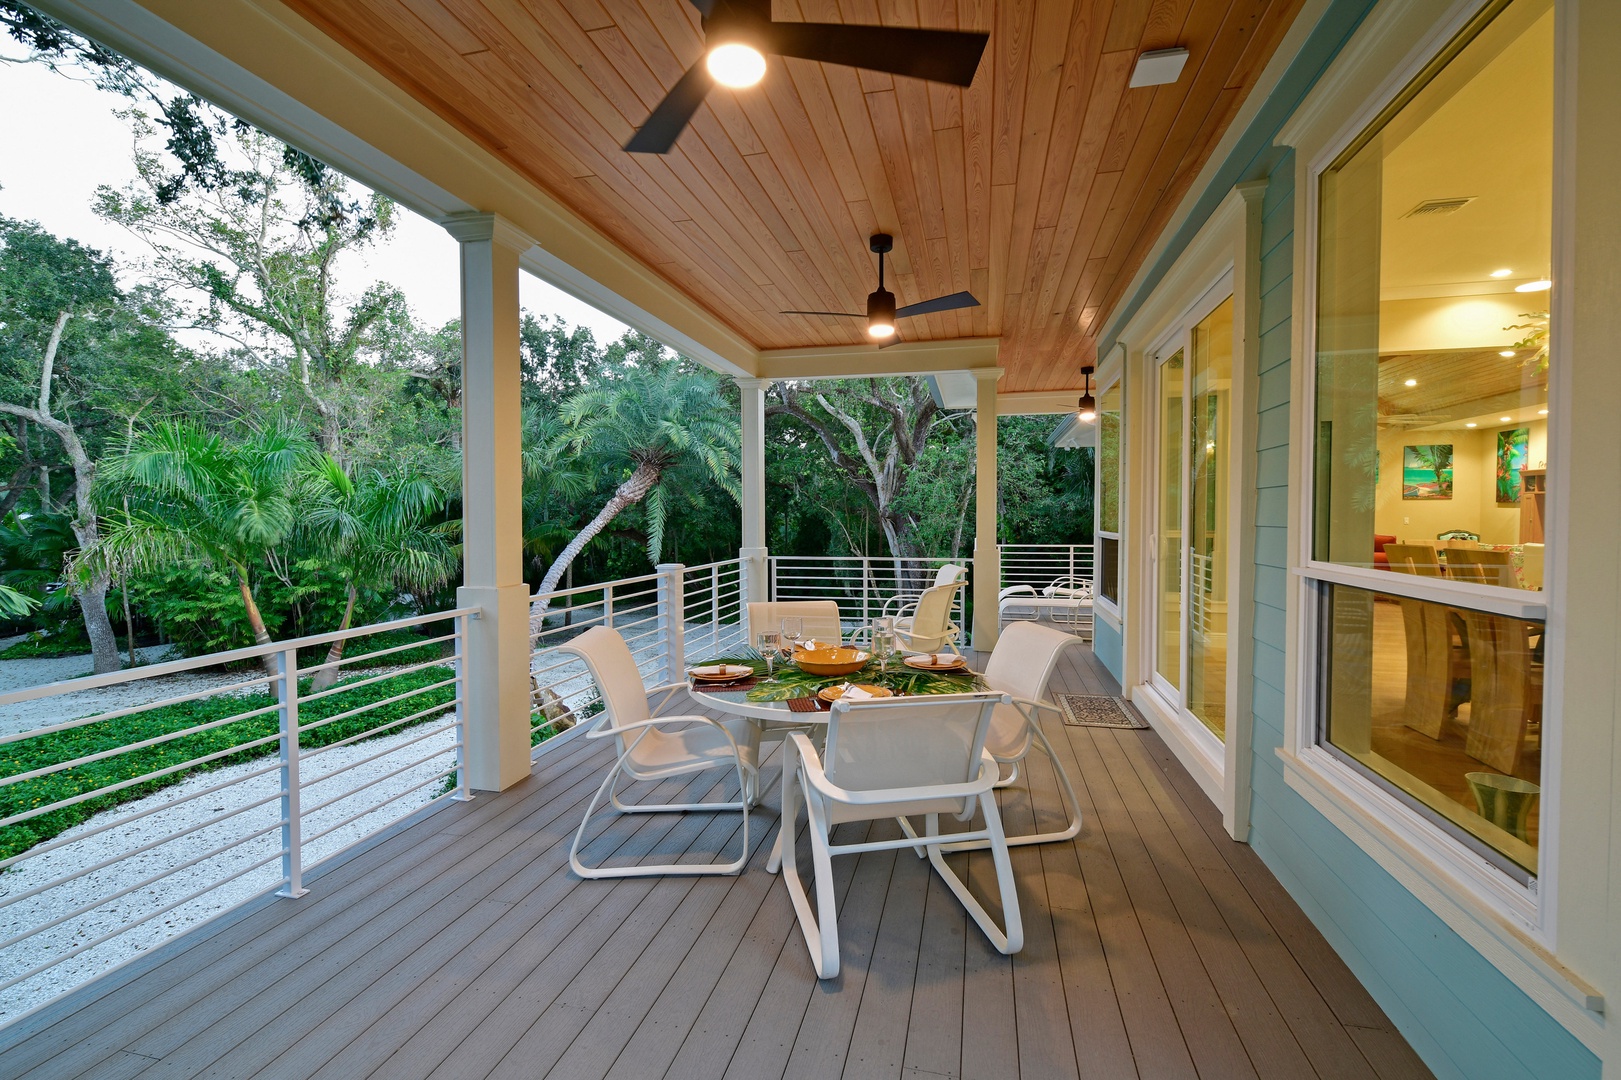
{"points": [[1040, 188]]}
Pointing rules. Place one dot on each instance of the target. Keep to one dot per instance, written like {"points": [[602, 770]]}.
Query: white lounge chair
{"points": [[1021, 666], [657, 748], [894, 758]]}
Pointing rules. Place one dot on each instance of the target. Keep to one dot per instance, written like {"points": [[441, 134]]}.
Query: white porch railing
{"points": [[1039, 565], [863, 585], [235, 785]]}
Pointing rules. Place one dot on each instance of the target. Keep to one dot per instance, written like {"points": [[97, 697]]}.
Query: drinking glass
{"points": [[883, 640], [793, 628], [770, 647]]}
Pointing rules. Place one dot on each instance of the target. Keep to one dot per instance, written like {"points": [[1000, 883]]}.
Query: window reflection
{"points": [[1443, 703]]}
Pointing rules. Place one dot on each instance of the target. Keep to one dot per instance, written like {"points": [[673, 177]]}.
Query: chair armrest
{"points": [[817, 778], [668, 690]]}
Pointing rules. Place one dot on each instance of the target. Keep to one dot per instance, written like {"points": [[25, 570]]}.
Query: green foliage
{"points": [[791, 682], [235, 742]]}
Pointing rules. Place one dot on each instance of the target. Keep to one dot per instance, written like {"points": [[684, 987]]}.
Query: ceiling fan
{"points": [[881, 310], [739, 33]]}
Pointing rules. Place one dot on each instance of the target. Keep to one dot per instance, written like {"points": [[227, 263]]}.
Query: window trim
{"points": [[1393, 46]]}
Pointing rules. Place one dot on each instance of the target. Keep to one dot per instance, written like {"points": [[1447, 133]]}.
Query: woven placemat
{"points": [[747, 682], [807, 704], [1096, 710]]}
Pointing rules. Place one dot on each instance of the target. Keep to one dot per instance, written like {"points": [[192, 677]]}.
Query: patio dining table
{"points": [[763, 700]]}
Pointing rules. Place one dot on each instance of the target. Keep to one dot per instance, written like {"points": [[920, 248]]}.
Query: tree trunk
{"points": [[631, 492], [129, 621], [257, 621], [103, 642], [329, 675]]}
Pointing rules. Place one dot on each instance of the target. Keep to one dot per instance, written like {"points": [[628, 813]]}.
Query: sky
{"points": [[61, 140]]}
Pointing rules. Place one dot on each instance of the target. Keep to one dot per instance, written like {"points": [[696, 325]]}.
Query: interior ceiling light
{"points": [[1410, 382], [1504, 419], [1505, 352], [1471, 425], [881, 310], [1501, 273], [735, 65], [1540, 285], [739, 34], [1159, 67], [1542, 412], [1087, 409]]}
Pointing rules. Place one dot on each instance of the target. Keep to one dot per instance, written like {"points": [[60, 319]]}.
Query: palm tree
{"points": [[193, 495], [378, 530], [551, 477], [664, 423]]}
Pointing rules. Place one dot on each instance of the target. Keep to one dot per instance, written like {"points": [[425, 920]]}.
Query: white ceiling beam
{"points": [[868, 361]]}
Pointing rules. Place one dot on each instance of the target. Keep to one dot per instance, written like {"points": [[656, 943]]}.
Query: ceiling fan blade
{"points": [[939, 303], [839, 314], [893, 339], [669, 120], [705, 8], [946, 56]]}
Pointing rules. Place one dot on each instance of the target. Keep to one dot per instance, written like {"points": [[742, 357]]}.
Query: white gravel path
{"points": [[216, 827]]}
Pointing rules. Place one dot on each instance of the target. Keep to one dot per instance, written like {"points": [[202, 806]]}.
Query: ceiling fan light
{"points": [[736, 65], [881, 330], [1087, 408], [881, 313]]}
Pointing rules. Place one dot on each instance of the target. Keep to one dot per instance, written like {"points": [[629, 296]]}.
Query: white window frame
{"points": [[1109, 376], [1512, 925]]}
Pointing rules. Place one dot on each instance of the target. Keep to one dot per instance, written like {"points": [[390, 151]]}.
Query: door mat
{"points": [[1087, 710]]}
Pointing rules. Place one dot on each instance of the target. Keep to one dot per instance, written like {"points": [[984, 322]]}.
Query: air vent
{"points": [[1438, 207]]}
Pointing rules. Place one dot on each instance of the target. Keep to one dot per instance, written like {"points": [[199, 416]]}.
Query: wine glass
{"points": [[883, 641], [793, 628], [770, 648]]}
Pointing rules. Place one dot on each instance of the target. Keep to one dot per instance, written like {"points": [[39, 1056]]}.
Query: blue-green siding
{"points": [[1106, 644], [1462, 1016]]}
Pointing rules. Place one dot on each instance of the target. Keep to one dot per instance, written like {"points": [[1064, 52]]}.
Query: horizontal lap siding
{"points": [[1463, 1016], [1106, 643]]}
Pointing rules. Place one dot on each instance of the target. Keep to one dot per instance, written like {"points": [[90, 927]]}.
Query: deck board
{"points": [[463, 946]]}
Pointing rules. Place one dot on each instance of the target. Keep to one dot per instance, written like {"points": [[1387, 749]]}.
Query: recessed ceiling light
{"points": [[1542, 285], [1471, 425], [1542, 412], [1410, 382], [736, 65], [1158, 67], [1506, 352], [1501, 273], [1505, 419]]}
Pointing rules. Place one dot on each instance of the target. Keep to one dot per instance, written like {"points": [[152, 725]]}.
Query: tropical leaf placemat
{"points": [[790, 682]]}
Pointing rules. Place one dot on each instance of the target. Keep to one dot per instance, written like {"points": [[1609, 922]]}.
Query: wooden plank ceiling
{"points": [[1040, 188]]}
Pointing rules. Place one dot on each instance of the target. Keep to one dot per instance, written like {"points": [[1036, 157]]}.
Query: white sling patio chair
{"points": [[929, 628], [1020, 667], [658, 747], [893, 758], [819, 618]]}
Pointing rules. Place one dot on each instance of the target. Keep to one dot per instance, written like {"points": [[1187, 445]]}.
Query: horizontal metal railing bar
{"points": [[103, 864], [102, 755], [307, 784], [118, 714], [354, 817], [252, 652], [96, 793], [103, 900], [305, 699], [372, 733], [368, 706], [188, 898], [373, 809], [97, 830], [598, 586], [351, 661]]}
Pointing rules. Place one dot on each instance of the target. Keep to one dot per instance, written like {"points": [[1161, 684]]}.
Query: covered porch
{"points": [[458, 944]]}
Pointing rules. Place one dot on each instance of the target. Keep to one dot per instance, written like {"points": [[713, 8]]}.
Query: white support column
{"points": [[987, 559], [753, 552], [497, 647]]}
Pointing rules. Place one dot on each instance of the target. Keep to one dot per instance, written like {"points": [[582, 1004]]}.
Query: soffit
{"points": [[1040, 188]]}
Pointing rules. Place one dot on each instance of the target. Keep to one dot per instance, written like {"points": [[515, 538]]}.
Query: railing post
{"points": [[866, 588], [292, 833], [673, 618], [608, 605], [714, 606], [463, 792]]}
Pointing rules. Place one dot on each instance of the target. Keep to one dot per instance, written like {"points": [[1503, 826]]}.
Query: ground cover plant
{"points": [[234, 742]]}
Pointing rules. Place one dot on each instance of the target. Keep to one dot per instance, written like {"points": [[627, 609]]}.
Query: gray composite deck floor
{"points": [[462, 946]]}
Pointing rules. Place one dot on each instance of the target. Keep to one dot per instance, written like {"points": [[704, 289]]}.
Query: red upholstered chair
{"points": [[1381, 561]]}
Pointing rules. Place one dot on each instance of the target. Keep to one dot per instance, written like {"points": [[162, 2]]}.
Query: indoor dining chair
{"points": [[653, 747], [894, 758]]}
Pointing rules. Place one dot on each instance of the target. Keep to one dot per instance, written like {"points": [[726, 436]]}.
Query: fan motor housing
{"points": [[881, 307]]}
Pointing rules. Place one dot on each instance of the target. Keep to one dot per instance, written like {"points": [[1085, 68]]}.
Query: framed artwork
{"points": [[1511, 446], [1426, 471]]}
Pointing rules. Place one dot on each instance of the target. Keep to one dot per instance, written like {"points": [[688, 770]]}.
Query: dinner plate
{"points": [[833, 693], [721, 672], [958, 663]]}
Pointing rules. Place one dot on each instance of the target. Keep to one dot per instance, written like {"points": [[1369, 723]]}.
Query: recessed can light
{"points": [[1506, 352], [1501, 273], [1504, 419], [1410, 382], [1542, 412], [1471, 425], [1541, 285]]}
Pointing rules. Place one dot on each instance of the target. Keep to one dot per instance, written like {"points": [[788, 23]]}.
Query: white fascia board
{"points": [[260, 61], [938, 358]]}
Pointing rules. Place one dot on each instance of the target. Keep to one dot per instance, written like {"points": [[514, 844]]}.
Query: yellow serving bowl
{"points": [[832, 661]]}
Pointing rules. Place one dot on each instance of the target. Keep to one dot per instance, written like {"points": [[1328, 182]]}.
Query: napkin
{"points": [[854, 693], [939, 659], [717, 669]]}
